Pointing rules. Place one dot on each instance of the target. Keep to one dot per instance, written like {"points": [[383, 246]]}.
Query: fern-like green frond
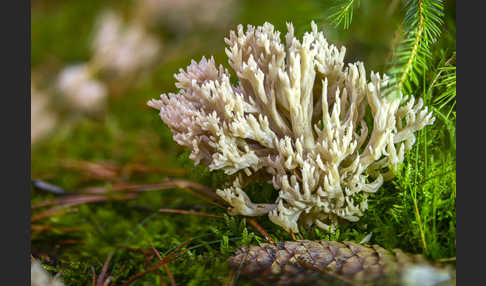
{"points": [[448, 81], [342, 13], [442, 90], [422, 28]]}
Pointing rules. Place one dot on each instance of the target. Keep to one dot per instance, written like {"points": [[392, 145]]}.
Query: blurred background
{"points": [[95, 64], [89, 58]]}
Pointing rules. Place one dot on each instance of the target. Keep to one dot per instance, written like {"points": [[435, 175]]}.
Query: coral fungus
{"points": [[297, 119], [81, 89], [123, 48], [42, 120], [40, 277]]}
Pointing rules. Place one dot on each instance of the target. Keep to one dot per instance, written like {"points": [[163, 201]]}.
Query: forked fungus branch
{"points": [[297, 120]]}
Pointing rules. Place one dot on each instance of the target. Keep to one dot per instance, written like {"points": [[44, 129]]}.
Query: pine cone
{"points": [[324, 262]]}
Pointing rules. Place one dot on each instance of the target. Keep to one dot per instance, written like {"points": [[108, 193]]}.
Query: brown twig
{"points": [[37, 227], [293, 236], [94, 193], [139, 250], [103, 170], [260, 229], [67, 200], [50, 212], [69, 241], [113, 171], [151, 269], [166, 268], [80, 199], [203, 198], [107, 281], [100, 281], [93, 276], [198, 187], [169, 258], [169, 274], [168, 184], [70, 201]]}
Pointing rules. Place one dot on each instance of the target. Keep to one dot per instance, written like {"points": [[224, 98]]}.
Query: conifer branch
{"points": [[440, 70], [413, 54], [447, 80], [422, 28], [343, 13]]}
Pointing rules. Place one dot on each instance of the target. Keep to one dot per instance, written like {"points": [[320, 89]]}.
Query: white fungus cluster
{"points": [[298, 119], [42, 119], [119, 49], [187, 15], [81, 89], [123, 48], [40, 277]]}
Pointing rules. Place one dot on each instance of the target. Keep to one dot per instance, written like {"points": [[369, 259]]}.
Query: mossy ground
{"points": [[415, 211]]}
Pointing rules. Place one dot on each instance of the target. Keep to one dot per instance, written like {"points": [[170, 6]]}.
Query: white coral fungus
{"points": [[186, 15], [297, 115], [123, 48], [81, 89], [40, 277], [42, 120]]}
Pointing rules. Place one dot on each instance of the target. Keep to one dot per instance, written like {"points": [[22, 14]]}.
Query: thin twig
{"points": [[169, 274], [167, 259], [99, 282], [168, 184], [49, 212], [93, 276], [260, 229], [37, 227], [151, 269], [139, 250], [71, 201], [166, 268], [293, 236], [102, 170], [197, 187], [69, 241], [107, 281], [80, 199], [203, 198]]}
